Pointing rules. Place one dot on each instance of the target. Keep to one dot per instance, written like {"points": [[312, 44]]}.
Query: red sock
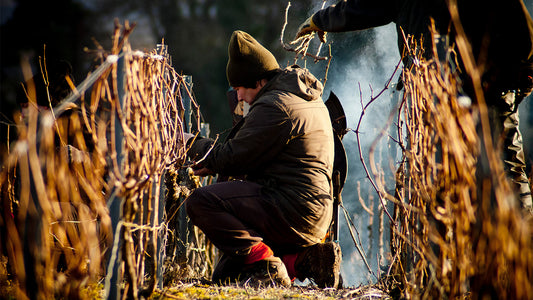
{"points": [[258, 252], [289, 260]]}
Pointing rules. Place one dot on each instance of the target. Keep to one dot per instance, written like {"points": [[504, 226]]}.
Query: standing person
{"points": [[501, 36], [270, 225]]}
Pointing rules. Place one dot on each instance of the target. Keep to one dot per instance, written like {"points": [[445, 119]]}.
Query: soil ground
{"points": [[200, 290]]}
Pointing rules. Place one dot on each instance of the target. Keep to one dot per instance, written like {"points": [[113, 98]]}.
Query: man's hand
{"points": [[203, 172], [309, 27]]}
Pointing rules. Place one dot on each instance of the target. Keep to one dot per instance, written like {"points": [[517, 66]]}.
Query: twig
{"points": [[357, 244], [357, 131], [304, 41]]}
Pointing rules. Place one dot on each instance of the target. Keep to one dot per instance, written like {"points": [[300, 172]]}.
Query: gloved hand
{"points": [[309, 27]]}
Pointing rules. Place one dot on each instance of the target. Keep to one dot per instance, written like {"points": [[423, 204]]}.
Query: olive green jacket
{"points": [[285, 143]]}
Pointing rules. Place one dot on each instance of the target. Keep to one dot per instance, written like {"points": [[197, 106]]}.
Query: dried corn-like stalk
{"points": [[64, 172], [458, 228]]}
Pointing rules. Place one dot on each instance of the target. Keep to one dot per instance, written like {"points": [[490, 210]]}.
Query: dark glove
{"points": [[309, 27]]}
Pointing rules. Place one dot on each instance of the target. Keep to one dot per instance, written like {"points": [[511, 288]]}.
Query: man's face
{"points": [[247, 94]]}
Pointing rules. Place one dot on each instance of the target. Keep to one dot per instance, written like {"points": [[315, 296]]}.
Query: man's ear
{"points": [[261, 83]]}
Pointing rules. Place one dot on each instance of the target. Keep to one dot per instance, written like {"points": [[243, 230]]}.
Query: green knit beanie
{"points": [[248, 60]]}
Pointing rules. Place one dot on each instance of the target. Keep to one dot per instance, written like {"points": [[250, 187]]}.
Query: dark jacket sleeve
{"points": [[501, 36], [265, 131], [349, 15]]}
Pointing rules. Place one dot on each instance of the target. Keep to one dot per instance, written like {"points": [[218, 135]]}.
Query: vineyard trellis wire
{"points": [[83, 189]]}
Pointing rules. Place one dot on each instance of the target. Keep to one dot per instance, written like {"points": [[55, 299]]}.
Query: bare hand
{"points": [[203, 172]]}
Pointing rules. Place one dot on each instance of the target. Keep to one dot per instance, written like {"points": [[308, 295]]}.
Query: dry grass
{"points": [[458, 230], [65, 169], [198, 290]]}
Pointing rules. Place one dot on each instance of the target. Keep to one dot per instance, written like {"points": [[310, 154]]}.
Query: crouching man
{"points": [[270, 225]]}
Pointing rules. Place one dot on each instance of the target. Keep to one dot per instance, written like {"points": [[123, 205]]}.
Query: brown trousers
{"points": [[236, 215]]}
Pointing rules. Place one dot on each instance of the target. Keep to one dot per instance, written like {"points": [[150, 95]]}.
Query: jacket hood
{"points": [[297, 81]]}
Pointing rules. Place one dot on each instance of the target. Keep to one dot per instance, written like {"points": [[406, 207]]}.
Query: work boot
{"points": [[320, 263], [267, 272], [228, 269]]}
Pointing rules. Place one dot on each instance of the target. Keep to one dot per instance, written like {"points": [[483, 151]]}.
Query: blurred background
{"points": [[197, 33]]}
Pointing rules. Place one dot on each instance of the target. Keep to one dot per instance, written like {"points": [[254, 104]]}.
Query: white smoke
{"points": [[526, 114], [355, 79], [370, 71]]}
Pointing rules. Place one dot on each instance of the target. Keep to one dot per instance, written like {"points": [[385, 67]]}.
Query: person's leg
{"points": [[235, 216], [507, 132], [211, 208], [320, 263]]}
